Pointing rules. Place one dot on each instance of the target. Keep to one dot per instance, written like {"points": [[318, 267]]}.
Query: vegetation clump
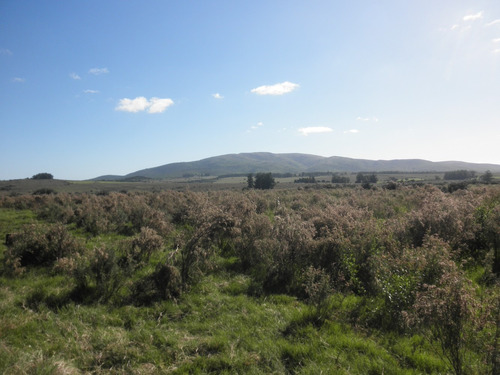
{"points": [[404, 279], [43, 176]]}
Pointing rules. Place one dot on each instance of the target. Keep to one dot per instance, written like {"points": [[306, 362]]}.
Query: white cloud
{"points": [[496, 40], [133, 105], [352, 131], [276, 89], [495, 22], [6, 52], [315, 130], [454, 27], [91, 91], [98, 71], [157, 105], [473, 17], [260, 123], [74, 76], [496, 50], [217, 96], [18, 79], [153, 105]]}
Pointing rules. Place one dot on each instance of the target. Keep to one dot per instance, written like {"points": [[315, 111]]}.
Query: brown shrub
{"points": [[40, 245]]}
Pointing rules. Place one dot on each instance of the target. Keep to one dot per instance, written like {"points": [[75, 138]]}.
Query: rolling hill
{"points": [[294, 163]]}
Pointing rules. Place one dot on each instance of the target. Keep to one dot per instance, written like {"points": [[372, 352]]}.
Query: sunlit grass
{"points": [[215, 328]]}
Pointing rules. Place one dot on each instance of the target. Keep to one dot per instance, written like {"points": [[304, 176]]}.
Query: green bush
{"points": [[163, 284], [97, 275], [40, 245]]}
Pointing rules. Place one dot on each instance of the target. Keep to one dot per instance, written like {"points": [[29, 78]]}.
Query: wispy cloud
{"points": [[494, 22], [19, 79], [473, 17], [315, 130], [91, 91], [217, 96], [258, 125], [98, 71], [276, 89], [496, 40], [139, 104], [351, 131], [74, 76], [5, 52], [495, 51], [367, 119]]}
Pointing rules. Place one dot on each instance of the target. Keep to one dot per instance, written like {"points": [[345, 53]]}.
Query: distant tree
{"points": [[362, 178], [264, 181], [487, 177], [250, 181], [42, 176], [338, 179], [461, 174], [307, 180]]}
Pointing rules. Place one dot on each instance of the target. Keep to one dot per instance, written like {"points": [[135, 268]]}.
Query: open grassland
{"points": [[309, 281], [202, 183]]}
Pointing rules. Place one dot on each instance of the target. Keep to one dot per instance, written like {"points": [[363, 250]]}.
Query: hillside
{"points": [[295, 163]]}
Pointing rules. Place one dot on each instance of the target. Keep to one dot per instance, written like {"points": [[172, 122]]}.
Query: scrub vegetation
{"points": [[347, 280]]}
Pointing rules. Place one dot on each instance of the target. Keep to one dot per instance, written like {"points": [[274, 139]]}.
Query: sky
{"points": [[89, 88]]}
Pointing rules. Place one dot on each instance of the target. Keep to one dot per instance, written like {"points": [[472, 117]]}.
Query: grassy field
{"points": [[29, 186], [281, 282]]}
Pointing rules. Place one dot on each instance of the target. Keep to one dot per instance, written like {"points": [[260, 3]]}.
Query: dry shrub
{"points": [[317, 287], [40, 245], [90, 215], [207, 229], [346, 239], [143, 245], [97, 275], [275, 250], [163, 284], [447, 312], [56, 208], [451, 217], [401, 274]]}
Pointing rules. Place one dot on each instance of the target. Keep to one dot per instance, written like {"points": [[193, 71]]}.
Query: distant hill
{"points": [[294, 163]]}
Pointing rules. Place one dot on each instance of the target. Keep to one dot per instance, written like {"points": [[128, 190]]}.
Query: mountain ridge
{"points": [[255, 162]]}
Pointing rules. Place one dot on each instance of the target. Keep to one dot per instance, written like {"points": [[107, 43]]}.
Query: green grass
{"points": [[12, 220], [215, 328]]}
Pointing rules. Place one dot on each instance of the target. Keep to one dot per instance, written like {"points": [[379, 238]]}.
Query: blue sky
{"points": [[110, 87]]}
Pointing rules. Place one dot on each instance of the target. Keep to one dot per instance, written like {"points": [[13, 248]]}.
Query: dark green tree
{"points": [[264, 181], [42, 176], [487, 177], [250, 181], [363, 178], [338, 179], [461, 174]]}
